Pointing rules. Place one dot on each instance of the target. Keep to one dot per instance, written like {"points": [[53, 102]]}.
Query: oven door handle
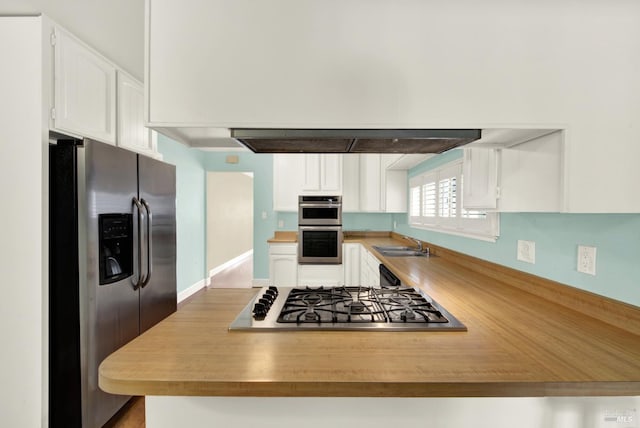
{"points": [[332, 205]]}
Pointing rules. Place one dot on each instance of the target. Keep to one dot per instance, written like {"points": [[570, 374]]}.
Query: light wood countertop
{"points": [[517, 344]]}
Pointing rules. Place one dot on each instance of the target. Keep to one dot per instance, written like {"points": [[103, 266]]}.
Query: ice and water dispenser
{"points": [[116, 247]]}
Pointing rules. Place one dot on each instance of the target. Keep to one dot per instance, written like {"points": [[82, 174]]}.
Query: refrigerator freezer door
{"points": [[157, 191], [112, 310]]}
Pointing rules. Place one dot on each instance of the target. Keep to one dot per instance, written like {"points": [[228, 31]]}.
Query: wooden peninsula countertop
{"points": [[517, 344]]}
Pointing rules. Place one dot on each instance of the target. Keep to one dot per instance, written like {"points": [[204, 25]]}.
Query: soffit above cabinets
{"points": [[408, 161], [508, 137]]}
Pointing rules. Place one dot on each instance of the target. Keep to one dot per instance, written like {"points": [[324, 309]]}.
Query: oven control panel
{"points": [[264, 303]]}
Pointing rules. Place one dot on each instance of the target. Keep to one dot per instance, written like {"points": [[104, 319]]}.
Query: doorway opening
{"points": [[230, 229]]}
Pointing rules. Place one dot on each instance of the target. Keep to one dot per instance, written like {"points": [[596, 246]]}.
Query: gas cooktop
{"points": [[345, 308]]}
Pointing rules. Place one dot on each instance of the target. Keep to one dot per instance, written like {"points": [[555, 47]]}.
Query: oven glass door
{"points": [[321, 214], [320, 244]]}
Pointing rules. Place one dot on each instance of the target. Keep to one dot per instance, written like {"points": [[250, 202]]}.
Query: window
{"points": [[435, 202]]}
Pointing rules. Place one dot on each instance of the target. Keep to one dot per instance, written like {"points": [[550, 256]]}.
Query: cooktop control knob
{"points": [[264, 303], [259, 311]]}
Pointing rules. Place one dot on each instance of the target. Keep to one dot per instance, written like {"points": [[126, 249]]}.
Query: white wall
{"points": [[115, 28], [229, 216], [24, 242]]}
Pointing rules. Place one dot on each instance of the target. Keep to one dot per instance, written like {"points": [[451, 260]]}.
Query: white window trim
{"points": [[486, 229]]}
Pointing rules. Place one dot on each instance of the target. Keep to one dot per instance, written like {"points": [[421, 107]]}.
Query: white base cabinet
{"points": [[351, 261], [369, 269], [283, 264]]}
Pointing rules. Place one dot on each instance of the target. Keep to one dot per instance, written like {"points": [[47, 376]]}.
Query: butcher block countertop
{"points": [[518, 343]]}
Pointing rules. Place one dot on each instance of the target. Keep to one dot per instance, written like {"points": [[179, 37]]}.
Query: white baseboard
{"points": [[191, 290], [260, 282], [229, 264]]}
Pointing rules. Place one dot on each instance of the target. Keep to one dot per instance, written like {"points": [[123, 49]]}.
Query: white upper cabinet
{"points": [[132, 134], [381, 189], [480, 175], [351, 182], [323, 173], [84, 90], [526, 177], [289, 176], [304, 174], [371, 188]]}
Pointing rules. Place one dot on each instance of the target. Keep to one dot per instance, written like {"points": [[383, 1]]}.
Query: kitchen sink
{"points": [[393, 248], [398, 251]]}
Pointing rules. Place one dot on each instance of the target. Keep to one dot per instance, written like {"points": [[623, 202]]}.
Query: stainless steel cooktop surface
{"points": [[345, 308]]}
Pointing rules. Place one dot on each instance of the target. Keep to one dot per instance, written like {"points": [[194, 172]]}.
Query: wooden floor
{"points": [[238, 276]]}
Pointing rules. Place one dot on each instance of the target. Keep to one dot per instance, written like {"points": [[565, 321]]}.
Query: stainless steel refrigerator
{"points": [[112, 272]]}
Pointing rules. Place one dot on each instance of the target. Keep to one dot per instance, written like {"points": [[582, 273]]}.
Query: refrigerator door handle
{"points": [[137, 279], [146, 280]]}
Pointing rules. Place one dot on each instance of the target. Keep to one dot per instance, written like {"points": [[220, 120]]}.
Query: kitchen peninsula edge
{"points": [[518, 344]]}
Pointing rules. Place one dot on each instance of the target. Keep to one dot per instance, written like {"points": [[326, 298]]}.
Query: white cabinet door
{"points": [[382, 190], [351, 259], [369, 269], [480, 178], [283, 265], [132, 134], [351, 182], [304, 174], [288, 179], [373, 264], [370, 183], [312, 170], [323, 173], [331, 173], [84, 90]]}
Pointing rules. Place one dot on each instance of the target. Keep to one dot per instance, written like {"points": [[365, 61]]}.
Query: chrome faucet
{"points": [[416, 241]]}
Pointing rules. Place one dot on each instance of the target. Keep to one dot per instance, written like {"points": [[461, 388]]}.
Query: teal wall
{"points": [[190, 211], [191, 168], [263, 228], [557, 236]]}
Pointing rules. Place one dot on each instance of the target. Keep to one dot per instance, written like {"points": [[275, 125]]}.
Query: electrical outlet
{"points": [[527, 251], [587, 259], [280, 224]]}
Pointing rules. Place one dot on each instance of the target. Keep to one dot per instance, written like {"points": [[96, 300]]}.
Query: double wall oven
{"points": [[320, 229]]}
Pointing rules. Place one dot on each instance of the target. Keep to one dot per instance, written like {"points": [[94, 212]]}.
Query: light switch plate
{"points": [[587, 259], [526, 251]]}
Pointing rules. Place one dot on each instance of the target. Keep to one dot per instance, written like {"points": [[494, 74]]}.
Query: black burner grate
{"points": [[358, 305]]}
